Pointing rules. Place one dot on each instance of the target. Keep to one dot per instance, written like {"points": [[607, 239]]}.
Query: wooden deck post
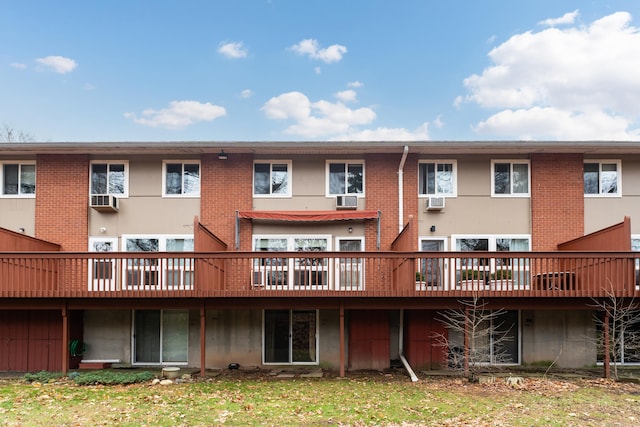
{"points": [[341, 339], [466, 342], [203, 340], [607, 350], [65, 339]]}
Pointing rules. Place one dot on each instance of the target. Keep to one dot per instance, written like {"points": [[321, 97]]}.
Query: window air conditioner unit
{"points": [[104, 203], [434, 204], [347, 202]]}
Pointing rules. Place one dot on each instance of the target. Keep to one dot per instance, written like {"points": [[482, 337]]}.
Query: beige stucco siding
{"points": [[601, 212], [18, 213], [145, 211]]}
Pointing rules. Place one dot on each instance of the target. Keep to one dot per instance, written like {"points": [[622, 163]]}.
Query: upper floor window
{"points": [[345, 178], [18, 179], [110, 177], [510, 178], [602, 178], [437, 178], [181, 178], [272, 178]]}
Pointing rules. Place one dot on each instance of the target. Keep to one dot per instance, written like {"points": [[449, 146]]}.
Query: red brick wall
{"points": [[226, 186], [557, 199], [381, 188], [62, 200]]}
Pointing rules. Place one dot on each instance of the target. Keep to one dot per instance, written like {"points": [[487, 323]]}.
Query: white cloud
{"points": [[333, 120], [58, 64], [553, 123], [232, 50], [311, 48], [387, 134], [317, 119], [178, 115], [546, 84], [247, 93], [347, 95], [567, 18], [355, 84]]}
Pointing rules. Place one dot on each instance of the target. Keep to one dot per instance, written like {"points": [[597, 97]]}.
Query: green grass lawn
{"points": [[355, 401]]}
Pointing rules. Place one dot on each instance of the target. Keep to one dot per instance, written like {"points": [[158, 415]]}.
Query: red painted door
{"points": [[423, 348], [369, 339]]}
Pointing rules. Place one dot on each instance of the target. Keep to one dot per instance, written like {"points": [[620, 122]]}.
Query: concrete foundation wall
{"points": [[568, 336]]}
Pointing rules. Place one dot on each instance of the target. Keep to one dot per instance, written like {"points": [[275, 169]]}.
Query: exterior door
{"points": [[349, 271], [432, 271], [290, 337], [160, 336], [102, 271]]}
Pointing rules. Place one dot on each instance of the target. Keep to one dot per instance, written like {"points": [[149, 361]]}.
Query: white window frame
{"points": [[162, 268], [271, 164], [600, 162], [264, 267], [183, 163], [346, 163], [511, 163], [19, 194], [291, 362], [454, 175], [125, 163]]}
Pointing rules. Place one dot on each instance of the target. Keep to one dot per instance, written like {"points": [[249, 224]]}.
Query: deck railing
{"points": [[383, 274]]}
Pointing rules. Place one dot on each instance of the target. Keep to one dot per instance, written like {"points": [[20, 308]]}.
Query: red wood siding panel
{"points": [[421, 347], [369, 339], [30, 341]]}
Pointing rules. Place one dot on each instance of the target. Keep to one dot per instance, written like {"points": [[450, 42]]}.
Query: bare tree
{"points": [[618, 319], [9, 134], [476, 337]]}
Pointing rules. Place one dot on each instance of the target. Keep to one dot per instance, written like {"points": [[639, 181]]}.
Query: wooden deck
{"points": [[321, 274]]}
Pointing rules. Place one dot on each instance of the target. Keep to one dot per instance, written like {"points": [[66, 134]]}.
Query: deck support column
{"points": [[65, 339], [607, 350], [203, 340], [341, 339], [466, 342]]}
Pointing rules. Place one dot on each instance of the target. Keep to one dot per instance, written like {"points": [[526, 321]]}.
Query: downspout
{"points": [[401, 187], [404, 361]]}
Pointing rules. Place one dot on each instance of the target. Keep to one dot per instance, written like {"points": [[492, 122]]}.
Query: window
{"points": [[158, 273], [345, 178], [437, 178], [635, 246], [290, 337], [160, 337], [18, 179], [602, 178], [181, 179], [308, 272], [510, 178], [624, 333], [271, 179], [507, 273], [110, 178], [496, 341]]}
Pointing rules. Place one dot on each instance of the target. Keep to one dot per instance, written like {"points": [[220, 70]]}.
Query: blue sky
{"points": [[287, 70]]}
